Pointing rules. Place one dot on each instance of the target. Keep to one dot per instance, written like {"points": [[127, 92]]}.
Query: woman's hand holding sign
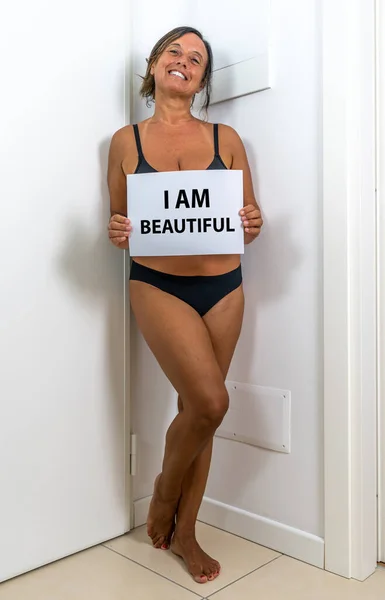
{"points": [[250, 213], [252, 221], [119, 229]]}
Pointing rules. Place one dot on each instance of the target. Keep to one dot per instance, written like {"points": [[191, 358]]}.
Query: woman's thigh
{"points": [[224, 324], [180, 342]]}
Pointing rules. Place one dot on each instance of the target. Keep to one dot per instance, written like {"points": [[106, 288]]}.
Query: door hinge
{"points": [[133, 455]]}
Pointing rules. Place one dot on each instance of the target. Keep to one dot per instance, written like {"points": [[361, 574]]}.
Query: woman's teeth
{"points": [[177, 74]]}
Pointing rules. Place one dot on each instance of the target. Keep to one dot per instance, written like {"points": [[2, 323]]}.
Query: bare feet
{"points": [[161, 519], [202, 567]]}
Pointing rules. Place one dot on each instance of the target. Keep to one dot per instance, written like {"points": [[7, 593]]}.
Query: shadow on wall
{"points": [[269, 264], [153, 409], [94, 270]]}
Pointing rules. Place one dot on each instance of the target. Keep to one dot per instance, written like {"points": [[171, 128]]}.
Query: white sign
{"points": [[185, 213]]}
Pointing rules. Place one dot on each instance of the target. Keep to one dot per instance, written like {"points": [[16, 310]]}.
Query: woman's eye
{"points": [[173, 51]]}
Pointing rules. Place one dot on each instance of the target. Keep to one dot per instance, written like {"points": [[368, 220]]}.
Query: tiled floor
{"points": [[129, 568]]}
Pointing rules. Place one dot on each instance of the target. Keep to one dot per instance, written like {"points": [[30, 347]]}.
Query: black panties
{"points": [[201, 292]]}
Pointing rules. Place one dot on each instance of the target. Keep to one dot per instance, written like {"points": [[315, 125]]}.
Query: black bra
{"points": [[144, 167]]}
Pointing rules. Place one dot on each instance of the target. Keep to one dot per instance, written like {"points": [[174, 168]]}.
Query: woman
{"points": [[188, 308]]}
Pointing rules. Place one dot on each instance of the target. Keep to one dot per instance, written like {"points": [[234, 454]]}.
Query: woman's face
{"points": [[181, 67]]}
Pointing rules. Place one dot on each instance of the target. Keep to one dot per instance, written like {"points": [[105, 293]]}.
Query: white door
{"points": [[63, 407], [381, 271]]}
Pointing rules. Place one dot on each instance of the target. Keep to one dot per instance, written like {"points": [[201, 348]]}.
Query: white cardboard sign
{"points": [[185, 213]]}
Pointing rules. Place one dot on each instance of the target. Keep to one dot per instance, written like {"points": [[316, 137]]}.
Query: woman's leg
{"points": [[181, 343], [224, 323], [193, 485]]}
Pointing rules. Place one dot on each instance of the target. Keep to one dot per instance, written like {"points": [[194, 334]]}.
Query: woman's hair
{"points": [[147, 89]]}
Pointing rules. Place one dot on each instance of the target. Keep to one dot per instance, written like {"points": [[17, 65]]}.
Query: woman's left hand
{"points": [[251, 220]]}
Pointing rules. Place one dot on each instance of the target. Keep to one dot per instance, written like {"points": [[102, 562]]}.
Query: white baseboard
{"points": [[284, 539]]}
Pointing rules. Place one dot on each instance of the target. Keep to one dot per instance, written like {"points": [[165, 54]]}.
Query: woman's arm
{"points": [[119, 227], [117, 183], [251, 214]]}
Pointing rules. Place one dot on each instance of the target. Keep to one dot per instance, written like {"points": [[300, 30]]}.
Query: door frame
{"points": [[380, 134], [129, 487], [350, 286]]}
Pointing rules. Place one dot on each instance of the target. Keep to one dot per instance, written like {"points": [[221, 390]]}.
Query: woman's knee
{"points": [[210, 407]]}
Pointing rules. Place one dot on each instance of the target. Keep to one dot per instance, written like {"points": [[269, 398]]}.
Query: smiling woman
{"points": [[201, 58], [188, 308]]}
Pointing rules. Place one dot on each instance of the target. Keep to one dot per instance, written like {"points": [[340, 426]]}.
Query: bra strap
{"points": [[138, 142], [216, 140]]}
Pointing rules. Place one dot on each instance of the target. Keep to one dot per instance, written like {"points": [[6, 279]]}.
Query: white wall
{"points": [[62, 455], [281, 344]]}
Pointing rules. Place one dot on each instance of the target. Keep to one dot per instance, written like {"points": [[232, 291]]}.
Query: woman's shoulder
{"points": [[123, 133], [124, 139], [225, 131], [123, 148], [227, 135], [122, 136], [126, 133]]}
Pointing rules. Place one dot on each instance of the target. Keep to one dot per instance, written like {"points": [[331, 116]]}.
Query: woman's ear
{"points": [[203, 83]]}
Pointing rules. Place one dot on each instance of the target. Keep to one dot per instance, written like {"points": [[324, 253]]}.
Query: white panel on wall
{"points": [[243, 78], [62, 305], [258, 416]]}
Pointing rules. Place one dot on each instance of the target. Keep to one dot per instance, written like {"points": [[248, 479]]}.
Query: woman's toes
{"points": [[211, 569], [165, 547], [158, 541], [202, 567]]}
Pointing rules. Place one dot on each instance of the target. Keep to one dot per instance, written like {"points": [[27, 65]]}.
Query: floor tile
{"points": [[289, 579], [237, 557], [95, 574]]}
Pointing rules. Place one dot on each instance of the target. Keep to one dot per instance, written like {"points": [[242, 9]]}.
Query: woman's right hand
{"points": [[119, 229]]}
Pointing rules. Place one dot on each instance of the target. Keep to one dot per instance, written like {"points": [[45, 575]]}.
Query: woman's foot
{"points": [[201, 566], [161, 519]]}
